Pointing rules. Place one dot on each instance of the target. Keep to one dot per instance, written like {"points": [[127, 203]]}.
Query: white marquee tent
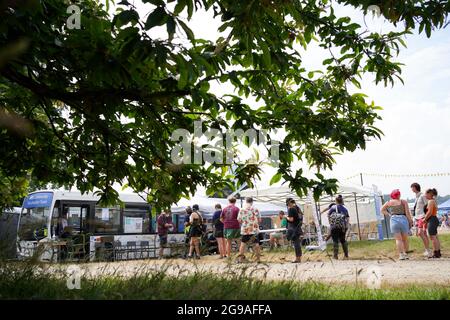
{"points": [[362, 203], [207, 205]]}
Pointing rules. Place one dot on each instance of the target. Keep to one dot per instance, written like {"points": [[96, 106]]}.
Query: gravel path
{"points": [[371, 273]]}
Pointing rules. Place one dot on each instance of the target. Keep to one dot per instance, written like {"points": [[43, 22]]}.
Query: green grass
{"points": [[19, 280], [24, 282], [366, 250]]}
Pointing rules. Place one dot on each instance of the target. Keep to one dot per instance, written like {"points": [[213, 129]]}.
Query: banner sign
{"points": [[378, 205], [38, 200]]}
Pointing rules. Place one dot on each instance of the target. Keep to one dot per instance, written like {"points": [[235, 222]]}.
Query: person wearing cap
{"points": [[401, 221]]}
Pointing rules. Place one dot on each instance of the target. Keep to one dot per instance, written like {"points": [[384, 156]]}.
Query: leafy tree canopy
{"points": [[94, 106]]}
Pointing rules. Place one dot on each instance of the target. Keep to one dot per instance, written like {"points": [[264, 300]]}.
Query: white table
{"points": [[272, 230]]}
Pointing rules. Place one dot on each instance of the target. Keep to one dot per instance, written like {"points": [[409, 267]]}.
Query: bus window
{"points": [[136, 219], [107, 220], [33, 223], [72, 219], [35, 216]]}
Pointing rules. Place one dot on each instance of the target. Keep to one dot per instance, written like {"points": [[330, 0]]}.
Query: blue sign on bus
{"points": [[38, 200]]}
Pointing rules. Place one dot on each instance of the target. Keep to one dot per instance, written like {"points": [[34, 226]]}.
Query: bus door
{"points": [[75, 217]]}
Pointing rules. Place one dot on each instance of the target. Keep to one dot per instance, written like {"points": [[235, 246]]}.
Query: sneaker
{"points": [[436, 255], [427, 253], [197, 257], [403, 256]]}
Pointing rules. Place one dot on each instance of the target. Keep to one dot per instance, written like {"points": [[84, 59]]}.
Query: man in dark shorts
{"points": [[164, 224], [249, 219]]}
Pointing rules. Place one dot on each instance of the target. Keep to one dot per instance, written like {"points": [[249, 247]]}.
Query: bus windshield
{"points": [[35, 216]]}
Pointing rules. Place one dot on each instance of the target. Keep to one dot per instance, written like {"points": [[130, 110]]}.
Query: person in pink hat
{"points": [[401, 221]]}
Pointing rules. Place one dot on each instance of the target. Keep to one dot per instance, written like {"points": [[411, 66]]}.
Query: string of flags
{"points": [[416, 175]]}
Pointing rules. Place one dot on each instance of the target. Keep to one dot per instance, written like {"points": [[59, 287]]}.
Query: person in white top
{"points": [[419, 214]]}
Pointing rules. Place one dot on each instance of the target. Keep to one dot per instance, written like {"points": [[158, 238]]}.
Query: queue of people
{"points": [[232, 224], [424, 219]]}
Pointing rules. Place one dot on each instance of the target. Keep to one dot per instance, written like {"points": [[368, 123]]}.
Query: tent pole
{"points": [[318, 210], [357, 216]]}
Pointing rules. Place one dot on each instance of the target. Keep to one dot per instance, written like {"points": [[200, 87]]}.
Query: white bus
{"points": [[59, 225]]}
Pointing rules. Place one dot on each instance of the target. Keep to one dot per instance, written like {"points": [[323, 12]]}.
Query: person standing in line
{"points": [[195, 232], [218, 231], [231, 224], [249, 219], [432, 221], [338, 218], [164, 224], [419, 214], [187, 227], [295, 219], [401, 221]]}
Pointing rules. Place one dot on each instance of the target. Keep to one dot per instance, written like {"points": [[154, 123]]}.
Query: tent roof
{"points": [[278, 195], [445, 205], [207, 205]]}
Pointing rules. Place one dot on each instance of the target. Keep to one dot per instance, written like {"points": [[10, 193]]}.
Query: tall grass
{"points": [[32, 281]]}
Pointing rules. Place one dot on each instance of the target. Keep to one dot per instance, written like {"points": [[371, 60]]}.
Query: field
{"points": [[371, 273]]}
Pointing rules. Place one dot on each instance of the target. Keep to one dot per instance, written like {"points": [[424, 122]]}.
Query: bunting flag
{"points": [[385, 175]]}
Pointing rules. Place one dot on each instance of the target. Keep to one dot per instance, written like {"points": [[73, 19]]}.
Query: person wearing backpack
{"points": [[295, 220], [196, 231], [338, 218]]}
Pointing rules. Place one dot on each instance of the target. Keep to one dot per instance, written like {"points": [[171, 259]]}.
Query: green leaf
{"points": [[187, 30], [276, 178], [181, 4], [157, 18], [170, 27]]}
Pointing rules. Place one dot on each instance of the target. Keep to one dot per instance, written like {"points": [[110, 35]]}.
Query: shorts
{"points": [[250, 238], [399, 224], [421, 224], [162, 240], [433, 224], [195, 232], [232, 233], [218, 233]]}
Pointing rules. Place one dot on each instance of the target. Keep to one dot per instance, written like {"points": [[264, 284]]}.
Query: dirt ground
{"points": [[372, 273], [371, 264]]}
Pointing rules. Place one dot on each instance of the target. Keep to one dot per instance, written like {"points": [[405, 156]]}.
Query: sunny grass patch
{"points": [[23, 282], [363, 250]]}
